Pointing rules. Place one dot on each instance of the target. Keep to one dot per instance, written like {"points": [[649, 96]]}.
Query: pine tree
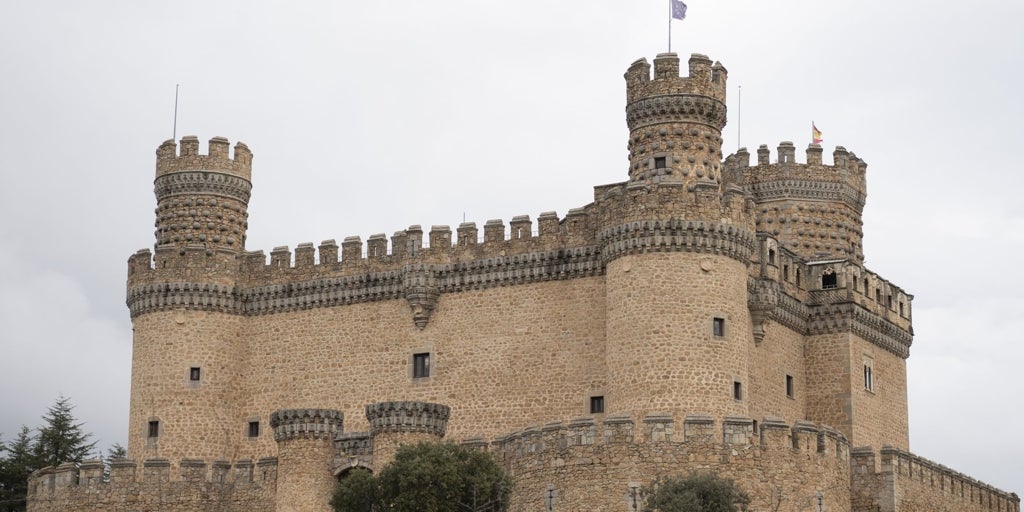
{"points": [[15, 469], [61, 439]]}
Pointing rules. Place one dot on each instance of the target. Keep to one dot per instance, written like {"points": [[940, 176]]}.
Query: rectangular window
{"points": [[789, 386], [254, 429], [193, 374], [596, 404], [718, 327], [421, 365], [869, 376], [154, 429], [659, 162], [737, 390], [785, 272]]}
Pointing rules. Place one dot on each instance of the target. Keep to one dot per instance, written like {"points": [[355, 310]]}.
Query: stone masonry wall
{"points": [[598, 467], [905, 482], [156, 486]]}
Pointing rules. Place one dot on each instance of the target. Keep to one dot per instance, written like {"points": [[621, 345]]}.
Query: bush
{"points": [[427, 477], [698, 492]]}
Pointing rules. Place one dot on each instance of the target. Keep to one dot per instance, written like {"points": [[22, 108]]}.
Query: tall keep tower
{"points": [[677, 243], [186, 319]]}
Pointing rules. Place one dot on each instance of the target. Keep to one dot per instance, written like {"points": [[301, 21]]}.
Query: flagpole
{"points": [[669, 26], [174, 133], [739, 119]]}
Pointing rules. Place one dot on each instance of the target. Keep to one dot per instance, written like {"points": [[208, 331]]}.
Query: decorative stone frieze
{"points": [[408, 416], [306, 424]]}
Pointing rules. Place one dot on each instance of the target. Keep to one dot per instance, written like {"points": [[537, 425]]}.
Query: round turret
{"points": [[202, 200], [675, 123], [396, 423], [305, 453]]}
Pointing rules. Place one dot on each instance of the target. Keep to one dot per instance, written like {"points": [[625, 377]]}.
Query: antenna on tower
{"points": [[174, 132], [739, 118]]}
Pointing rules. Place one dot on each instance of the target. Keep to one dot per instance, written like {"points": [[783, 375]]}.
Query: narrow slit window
{"points": [[789, 386], [771, 256], [785, 272], [154, 429], [718, 327], [869, 376], [421, 365], [737, 390], [596, 404], [254, 429], [798, 277]]}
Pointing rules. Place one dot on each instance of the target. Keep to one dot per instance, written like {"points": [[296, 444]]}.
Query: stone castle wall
{"points": [[156, 485], [599, 466], [903, 482]]}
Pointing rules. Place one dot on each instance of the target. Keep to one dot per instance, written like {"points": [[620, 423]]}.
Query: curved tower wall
{"points": [[187, 355], [677, 243]]}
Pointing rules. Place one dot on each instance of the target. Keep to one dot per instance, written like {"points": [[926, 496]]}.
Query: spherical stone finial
{"points": [[408, 416], [306, 424]]}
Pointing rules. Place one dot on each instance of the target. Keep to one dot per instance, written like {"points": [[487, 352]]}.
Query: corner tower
{"points": [[677, 241], [186, 354]]}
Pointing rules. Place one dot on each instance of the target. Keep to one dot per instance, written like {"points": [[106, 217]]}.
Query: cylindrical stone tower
{"points": [[677, 244], [397, 423], [305, 452], [202, 200], [186, 320]]}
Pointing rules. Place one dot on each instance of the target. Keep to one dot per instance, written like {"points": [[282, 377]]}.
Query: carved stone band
{"points": [[202, 182], [675, 108]]}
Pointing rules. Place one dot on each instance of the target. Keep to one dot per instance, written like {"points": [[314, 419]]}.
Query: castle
{"points": [[709, 312]]}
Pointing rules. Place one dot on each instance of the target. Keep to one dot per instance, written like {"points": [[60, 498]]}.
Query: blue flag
{"points": [[678, 9]]}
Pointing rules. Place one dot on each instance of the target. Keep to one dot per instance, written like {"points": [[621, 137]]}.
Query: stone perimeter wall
{"points": [[587, 466], [909, 483], [189, 485]]}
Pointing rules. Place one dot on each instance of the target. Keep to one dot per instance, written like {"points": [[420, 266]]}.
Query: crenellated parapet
{"points": [[306, 424], [707, 432], [155, 484], [218, 159], [891, 479]]}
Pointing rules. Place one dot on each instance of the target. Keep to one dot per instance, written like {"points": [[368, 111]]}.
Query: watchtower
{"points": [[186, 318], [677, 242]]}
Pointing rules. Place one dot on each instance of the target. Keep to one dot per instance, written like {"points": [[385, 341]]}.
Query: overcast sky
{"points": [[367, 117]]}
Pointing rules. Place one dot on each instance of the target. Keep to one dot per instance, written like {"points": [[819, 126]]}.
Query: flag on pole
{"points": [[815, 134], [678, 9]]}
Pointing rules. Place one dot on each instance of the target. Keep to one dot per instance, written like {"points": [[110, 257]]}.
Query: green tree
{"points": [[61, 439], [428, 477], [698, 492], [15, 469], [113, 453]]}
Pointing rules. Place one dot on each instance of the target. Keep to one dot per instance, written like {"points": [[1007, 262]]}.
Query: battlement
{"points": [[695, 431], [306, 424], [704, 79], [193, 483], [845, 167], [439, 244], [893, 476], [217, 159]]}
